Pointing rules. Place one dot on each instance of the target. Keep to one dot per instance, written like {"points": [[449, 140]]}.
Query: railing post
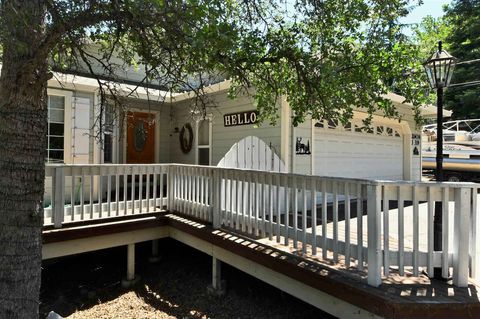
{"points": [[474, 237], [170, 188], [374, 231], [59, 200], [216, 198], [461, 231]]}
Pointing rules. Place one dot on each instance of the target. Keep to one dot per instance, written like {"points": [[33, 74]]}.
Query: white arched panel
{"points": [[252, 153], [249, 153]]}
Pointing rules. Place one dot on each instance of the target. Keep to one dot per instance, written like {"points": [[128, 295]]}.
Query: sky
{"points": [[429, 7]]}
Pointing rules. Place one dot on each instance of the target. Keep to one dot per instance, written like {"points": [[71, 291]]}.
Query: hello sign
{"points": [[242, 118]]}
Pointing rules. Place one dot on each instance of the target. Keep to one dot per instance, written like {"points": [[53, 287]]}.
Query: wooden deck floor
{"points": [[398, 296], [405, 288], [399, 288]]}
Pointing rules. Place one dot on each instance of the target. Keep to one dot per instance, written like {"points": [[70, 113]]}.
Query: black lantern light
{"points": [[439, 69]]}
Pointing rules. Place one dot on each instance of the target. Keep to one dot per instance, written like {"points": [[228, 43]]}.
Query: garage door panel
{"points": [[350, 154]]}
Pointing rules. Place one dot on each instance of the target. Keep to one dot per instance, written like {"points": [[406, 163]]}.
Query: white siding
{"points": [[222, 137], [165, 132], [302, 164], [180, 116], [416, 169], [417, 161]]}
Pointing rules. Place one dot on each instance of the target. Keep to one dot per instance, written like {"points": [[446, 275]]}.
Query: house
{"points": [[154, 124], [159, 127]]}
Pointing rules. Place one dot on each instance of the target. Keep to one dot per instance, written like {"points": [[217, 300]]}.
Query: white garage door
{"points": [[352, 152]]}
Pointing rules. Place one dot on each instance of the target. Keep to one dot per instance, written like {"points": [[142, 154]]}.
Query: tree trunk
{"points": [[23, 123]]}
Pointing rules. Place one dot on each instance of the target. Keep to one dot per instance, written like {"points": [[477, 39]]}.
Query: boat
{"points": [[461, 149]]}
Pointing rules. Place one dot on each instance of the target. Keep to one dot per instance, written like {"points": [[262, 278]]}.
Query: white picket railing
{"points": [[191, 191], [352, 222], [85, 192]]}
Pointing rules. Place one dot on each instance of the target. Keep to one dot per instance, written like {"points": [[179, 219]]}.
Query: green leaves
{"points": [[328, 57], [337, 57], [459, 29], [464, 43]]}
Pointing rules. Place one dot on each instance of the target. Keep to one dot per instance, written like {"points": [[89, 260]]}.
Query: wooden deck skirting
{"points": [[99, 227], [384, 301]]}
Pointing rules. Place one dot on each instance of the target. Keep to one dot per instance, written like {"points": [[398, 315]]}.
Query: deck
{"points": [[263, 224]]}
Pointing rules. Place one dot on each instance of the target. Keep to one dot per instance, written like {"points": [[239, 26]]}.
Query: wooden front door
{"points": [[140, 138]]}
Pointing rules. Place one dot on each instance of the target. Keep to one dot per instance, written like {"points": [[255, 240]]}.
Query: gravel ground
{"points": [[88, 286]]}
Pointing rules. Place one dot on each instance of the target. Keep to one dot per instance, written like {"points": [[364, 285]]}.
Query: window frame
{"points": [[67, 125], [208, 146]]}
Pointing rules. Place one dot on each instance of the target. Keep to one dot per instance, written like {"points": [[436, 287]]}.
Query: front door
{"points": [[140, 138]]}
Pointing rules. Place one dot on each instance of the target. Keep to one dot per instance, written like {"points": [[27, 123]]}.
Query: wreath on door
{"points": [[186, 138]]}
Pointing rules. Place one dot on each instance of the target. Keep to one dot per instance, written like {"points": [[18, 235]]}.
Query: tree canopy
{"points": [[464, 44], [459, 30], [325, 56], [428, 32]]}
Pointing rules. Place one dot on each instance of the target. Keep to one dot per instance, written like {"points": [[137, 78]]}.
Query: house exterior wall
{"points": [[306, 163], [223, 138], [180, 115], [172, 114], [165, 131], [302, 163]]}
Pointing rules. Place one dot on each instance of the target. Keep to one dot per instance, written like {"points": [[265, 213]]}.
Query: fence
{"points": [[373, 226]]}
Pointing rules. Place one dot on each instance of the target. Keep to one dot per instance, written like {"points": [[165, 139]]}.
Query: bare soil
{"points": [[88, 286]]}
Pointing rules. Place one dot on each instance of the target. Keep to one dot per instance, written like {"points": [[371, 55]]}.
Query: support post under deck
{"points": [[131, 278], [131, 262], [216, 273], [218, 286], [154, 258]]}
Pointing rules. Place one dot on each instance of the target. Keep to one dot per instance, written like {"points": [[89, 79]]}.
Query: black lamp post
{"points": [[439, 69]]}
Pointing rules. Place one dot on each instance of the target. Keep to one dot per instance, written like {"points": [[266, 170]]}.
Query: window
{"points": [[332, 124], [56, 129], [203, 155], [107, 148]]}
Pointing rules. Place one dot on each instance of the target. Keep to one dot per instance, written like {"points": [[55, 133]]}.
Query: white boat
{"points": [[461, 149]]}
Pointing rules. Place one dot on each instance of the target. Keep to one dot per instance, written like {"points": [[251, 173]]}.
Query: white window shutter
{"points": [[81, 130]]}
